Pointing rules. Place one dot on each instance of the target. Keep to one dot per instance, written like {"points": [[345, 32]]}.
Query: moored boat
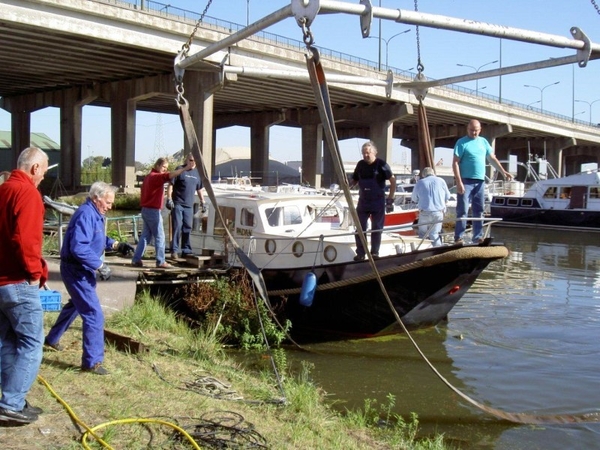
{"points": [[570, 202], [290, 237]]}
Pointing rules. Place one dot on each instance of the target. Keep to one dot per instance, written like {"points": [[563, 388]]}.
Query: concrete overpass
{"points": [[72, 53]]}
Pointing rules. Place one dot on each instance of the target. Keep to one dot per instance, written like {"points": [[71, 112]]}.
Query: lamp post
{"points": [[387, 43], [590, 105], [541, 92], [477, 69]]}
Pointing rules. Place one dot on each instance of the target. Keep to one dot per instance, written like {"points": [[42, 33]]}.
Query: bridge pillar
{"points": [[259, 144], [554, 154], [491, 133], [20, 134], [312, 149], [200, 88], [70, 135], [122, 116]]}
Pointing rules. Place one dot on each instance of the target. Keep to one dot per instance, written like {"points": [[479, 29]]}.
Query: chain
{"points": [[307, 34], [185, 48], [596, 6], [420, 66]]}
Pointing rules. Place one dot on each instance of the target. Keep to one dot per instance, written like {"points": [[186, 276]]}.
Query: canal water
{"points": [[524, 339]]}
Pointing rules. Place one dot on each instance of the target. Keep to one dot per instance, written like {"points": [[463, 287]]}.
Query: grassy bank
{"points": [[186, 380]]}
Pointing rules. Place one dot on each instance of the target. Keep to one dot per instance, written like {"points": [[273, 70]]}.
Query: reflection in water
{"points": [[524, 339]]}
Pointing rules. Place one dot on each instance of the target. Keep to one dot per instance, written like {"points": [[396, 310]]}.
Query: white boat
{"points": [[570, 202], [290, 237]]}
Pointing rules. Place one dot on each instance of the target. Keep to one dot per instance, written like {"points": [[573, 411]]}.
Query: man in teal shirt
{"points": [[468, 164]]}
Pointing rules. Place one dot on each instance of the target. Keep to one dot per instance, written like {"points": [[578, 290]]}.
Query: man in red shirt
{"points": [[153, 193], [22, 272]]}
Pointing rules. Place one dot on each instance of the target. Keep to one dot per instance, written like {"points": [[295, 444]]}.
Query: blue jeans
{"points": [[21, 341], [428, 230], [153, 228], [181, 221], [474, 195], [81, 286]]}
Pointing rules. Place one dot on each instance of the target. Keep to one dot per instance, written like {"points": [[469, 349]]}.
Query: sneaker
{"points": [[458, 242], [375, 255], [174, 256], [97, 369], [32, 409], [54, 347], [137, 264], [164, 265], [359, 258], [23, 416]]}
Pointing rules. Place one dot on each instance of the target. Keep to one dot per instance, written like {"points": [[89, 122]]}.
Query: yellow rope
{"points": [[91, 431]]}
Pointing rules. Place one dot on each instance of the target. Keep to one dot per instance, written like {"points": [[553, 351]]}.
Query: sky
{"points": [[443, 54]]}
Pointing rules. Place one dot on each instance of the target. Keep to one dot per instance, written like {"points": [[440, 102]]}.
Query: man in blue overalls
{"points": [[81, 255], [371, 174]]}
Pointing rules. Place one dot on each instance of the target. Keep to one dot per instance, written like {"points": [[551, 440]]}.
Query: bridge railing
{"points": [[173, 12]]}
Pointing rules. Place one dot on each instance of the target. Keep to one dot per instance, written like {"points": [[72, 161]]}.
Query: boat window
{"points": [[498, 201], [247, 218], [565, 192], [228, 214], [551, 192], [527, 202], [594, 192], [283, 215], [512, 201], [327, 215]]}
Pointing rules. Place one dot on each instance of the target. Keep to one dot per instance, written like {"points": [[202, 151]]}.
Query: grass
{"points": [[187, 379]]}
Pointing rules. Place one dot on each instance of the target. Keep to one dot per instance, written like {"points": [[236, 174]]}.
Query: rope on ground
{"points": [[92, 431]]}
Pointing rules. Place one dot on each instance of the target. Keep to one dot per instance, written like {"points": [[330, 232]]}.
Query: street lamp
{"points": [[541, 92], [387, 43], [477, 69], [590, 105]]}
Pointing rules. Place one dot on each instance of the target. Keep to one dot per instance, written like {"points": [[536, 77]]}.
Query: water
{"points": [[524, 339]]}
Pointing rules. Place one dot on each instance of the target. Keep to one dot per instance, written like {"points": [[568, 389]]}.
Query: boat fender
{"points": [[309, 285]]}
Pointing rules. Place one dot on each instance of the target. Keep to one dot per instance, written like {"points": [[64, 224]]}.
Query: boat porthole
{"points": [[270, 246], [330, 253], [298, 249]]}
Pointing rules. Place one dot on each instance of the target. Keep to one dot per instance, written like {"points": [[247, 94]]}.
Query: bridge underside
{"points": [[69, 70]]}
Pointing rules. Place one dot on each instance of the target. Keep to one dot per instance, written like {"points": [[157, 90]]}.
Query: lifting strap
{"points": [[319, 84], [425, 148]]}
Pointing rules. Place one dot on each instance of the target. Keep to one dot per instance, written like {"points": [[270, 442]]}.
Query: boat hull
{"points": [[531, 214], [422, 286]]}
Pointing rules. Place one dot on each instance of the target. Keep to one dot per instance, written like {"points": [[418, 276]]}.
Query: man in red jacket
{"points": [[152, 200], [22, 272]]}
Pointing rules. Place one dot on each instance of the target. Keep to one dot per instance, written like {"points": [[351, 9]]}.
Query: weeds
{"points": [[229, 310]]}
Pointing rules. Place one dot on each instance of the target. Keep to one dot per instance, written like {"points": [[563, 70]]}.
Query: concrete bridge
{"points": [[72, 53]]}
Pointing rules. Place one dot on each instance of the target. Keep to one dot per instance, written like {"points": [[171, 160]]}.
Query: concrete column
{"points": [[312, 145], [70, 136], [491, 132], [20, 134], [381, 135], [199, 91], [123, 106], [259, 145]]}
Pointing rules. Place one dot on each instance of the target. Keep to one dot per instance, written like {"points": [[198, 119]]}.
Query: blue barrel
{"points": [[309, 285]]}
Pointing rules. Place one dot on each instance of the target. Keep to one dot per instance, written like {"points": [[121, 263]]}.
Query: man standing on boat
{"points": [[371, 174], [431, 195], [180, 200], [468, 165], [152, 199]]}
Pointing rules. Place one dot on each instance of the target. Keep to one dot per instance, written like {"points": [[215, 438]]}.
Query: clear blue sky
{"points": [[441, 51]]}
